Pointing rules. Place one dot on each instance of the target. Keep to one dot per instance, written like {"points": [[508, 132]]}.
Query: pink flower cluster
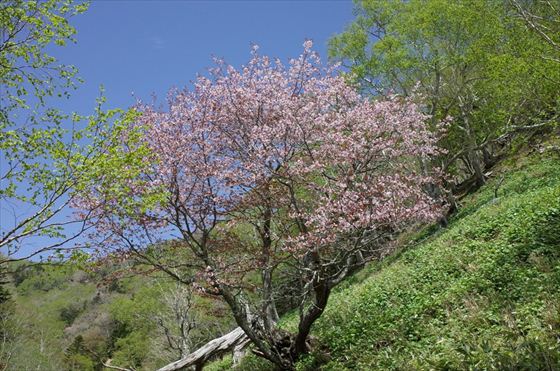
{"points": [[295, 138]]}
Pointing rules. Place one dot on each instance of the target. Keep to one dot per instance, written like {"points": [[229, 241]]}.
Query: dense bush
{"points": [[43, 278], [25, 271], [70, 312], [76, 357]]}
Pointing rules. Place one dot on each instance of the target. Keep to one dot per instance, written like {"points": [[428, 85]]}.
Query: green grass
{"points": [[483, 293]]}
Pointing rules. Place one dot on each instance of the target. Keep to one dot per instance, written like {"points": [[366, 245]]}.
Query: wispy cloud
{"points": [[156, 42]]}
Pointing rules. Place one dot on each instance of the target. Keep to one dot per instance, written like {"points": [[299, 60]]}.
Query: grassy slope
{"points": [[483, 293]]}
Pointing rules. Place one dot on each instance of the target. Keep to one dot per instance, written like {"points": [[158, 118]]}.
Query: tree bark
{"points": [[322, 292], [269, 305], [235, 339], [477, 167]]}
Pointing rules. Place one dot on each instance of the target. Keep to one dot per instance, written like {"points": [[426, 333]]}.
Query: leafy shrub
{"points": [[76, 357], [25, 271], [70, 312], [223, 364], [45, 278], [131, 350]]}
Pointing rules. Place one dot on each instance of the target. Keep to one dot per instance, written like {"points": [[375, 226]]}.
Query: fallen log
{"points": [[235, 340]]}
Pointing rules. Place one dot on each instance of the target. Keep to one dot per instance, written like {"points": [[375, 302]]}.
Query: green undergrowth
{"points": [[483, 293]]}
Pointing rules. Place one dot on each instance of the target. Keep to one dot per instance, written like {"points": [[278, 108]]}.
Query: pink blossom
{"points": [[293, 139]]}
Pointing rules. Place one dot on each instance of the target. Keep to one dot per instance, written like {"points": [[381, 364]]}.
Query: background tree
{"points": [[176, 321], [543, 18], [31, 133], [471, 60], [265, 169], [43, 152]]}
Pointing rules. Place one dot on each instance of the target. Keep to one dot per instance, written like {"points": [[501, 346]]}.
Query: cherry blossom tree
{"points": [[266, 171]]}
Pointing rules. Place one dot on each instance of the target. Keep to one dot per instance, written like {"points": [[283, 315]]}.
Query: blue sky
{"points": [[146, 47]]}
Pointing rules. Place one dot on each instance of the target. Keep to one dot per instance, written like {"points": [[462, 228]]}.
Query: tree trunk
{"points": [[466, 108], [477, 167], [235, 339], [269, 305], [434, 190], [322, 293]]}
